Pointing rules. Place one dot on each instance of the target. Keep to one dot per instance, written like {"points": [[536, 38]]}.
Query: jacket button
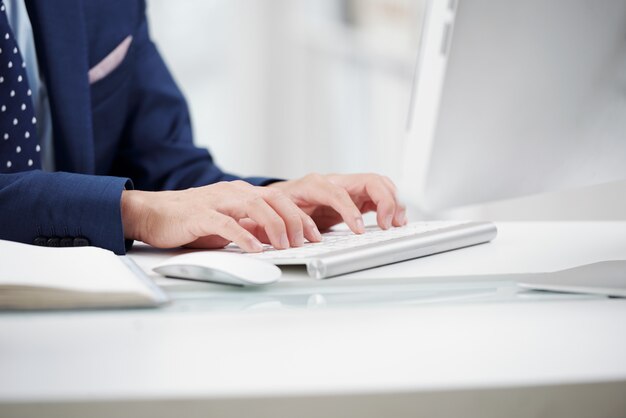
{"points": [[53, 242], [67, 242], [81, 242], [40, 241]]}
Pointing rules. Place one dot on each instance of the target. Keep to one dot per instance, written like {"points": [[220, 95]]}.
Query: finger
{"points": [[385, 201], [311, 231], [399, 218], [255, 229], [262, 213], [290, 214], [337, 197], [209, 242], [390, 184], [226, 227]]}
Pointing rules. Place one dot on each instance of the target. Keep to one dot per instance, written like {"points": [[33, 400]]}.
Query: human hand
{"points": [[215, 215], [334, 198]]}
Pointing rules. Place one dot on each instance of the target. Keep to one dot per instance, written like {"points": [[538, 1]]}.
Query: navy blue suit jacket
{"points": [[130, 127]]}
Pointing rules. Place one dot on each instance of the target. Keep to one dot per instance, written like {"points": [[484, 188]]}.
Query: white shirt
{"points": [[23, 32]]}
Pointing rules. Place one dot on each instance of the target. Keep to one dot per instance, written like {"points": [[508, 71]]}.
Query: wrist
{"points": [[133, 209]]}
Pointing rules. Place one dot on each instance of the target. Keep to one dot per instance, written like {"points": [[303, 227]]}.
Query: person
{"points": [[96, 147]]}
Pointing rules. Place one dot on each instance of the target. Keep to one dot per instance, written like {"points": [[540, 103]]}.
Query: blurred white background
{"points": [[286, 87]]}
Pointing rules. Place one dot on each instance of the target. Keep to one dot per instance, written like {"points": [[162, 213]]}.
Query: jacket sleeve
{"points": [[35, 204], [157, 151]]}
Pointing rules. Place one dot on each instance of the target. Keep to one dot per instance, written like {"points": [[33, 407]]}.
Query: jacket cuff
{"points": [[62, 206], [98, 203]]}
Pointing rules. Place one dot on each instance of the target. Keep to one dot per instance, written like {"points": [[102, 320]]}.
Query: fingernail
{"points": [[256, 245], [284, 241], [403, 219], [360, 226], [388, 221]]}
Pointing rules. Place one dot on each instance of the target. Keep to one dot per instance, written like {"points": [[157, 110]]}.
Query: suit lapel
{"points": [[61, 43]]}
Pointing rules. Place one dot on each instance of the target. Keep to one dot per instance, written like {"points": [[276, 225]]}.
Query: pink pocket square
{"points": [[110, 62]]}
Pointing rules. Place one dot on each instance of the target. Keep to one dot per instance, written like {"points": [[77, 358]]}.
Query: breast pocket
{"points": [[110, 77], [110, 106]]}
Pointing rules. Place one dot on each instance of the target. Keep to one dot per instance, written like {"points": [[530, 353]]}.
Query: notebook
{"points": [[34, 277]]}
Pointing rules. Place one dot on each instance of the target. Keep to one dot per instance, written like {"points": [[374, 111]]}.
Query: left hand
{"points": [[335, 198]]}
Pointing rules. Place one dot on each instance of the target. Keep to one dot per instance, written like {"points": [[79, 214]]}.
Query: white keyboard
{"points": [[345, 240], [343, 252]]}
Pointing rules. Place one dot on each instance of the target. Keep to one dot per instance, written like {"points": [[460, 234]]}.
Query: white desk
{"points": [[467, 347]]}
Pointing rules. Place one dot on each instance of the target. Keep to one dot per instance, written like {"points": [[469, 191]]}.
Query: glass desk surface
{"points": [[310, 294]]}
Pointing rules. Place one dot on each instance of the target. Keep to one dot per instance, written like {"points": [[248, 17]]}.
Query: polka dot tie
{"points": [[19, 146]]}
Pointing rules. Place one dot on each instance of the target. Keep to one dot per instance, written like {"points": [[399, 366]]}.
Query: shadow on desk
{"points": [[562, 401]]}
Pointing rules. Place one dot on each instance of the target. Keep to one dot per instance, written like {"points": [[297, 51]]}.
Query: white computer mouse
{"points": [[220, 267]]}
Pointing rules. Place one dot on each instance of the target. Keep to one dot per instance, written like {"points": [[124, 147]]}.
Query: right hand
{"points": [[215, 215]]}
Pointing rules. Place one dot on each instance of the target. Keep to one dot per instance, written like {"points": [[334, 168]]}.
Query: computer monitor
{"points": [[514, 98]]}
